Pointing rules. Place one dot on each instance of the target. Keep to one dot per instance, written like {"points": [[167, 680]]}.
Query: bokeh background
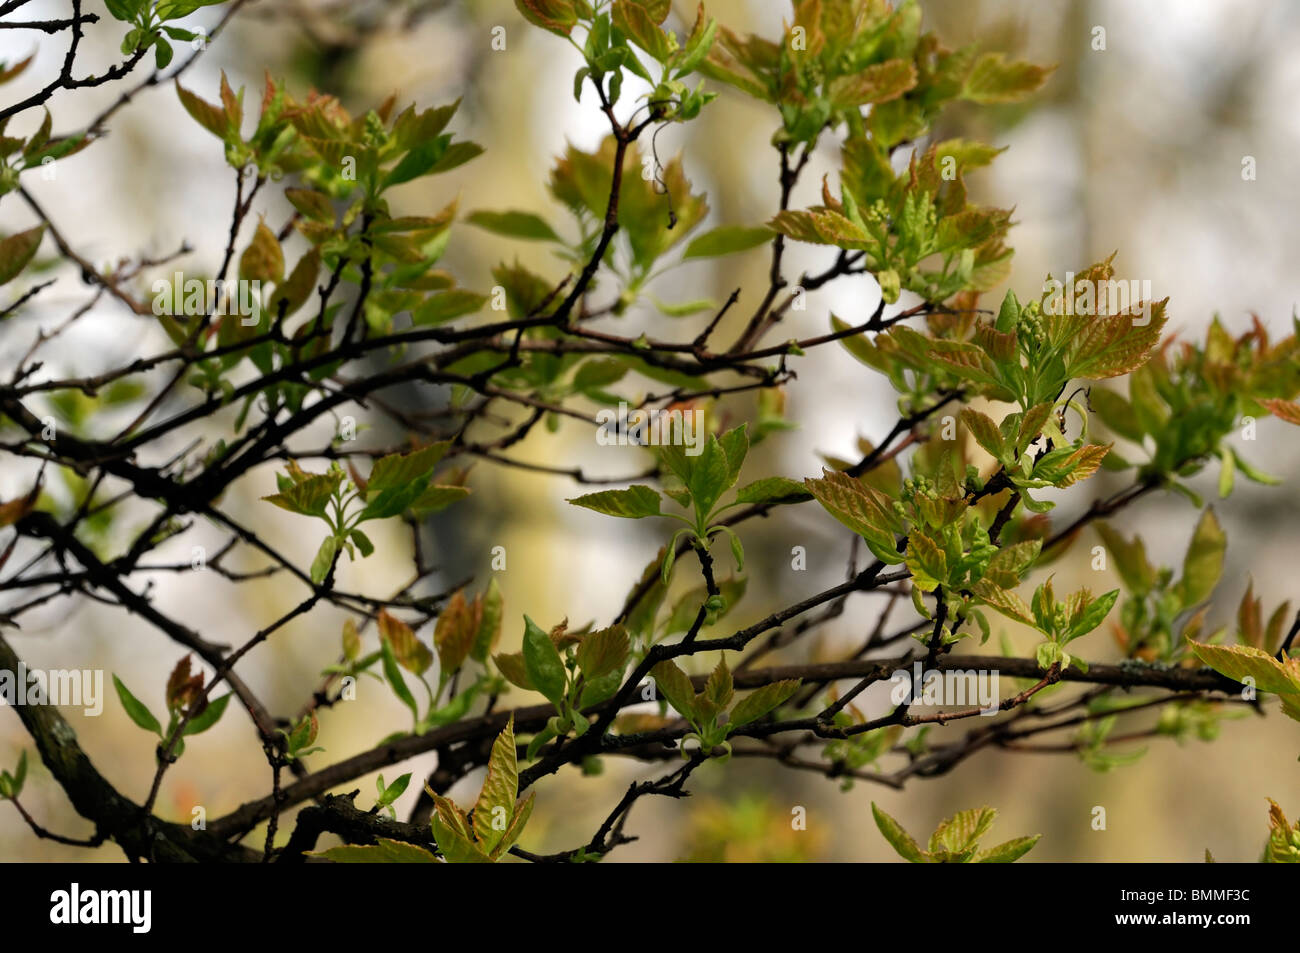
{"points": [[1136, 148]]}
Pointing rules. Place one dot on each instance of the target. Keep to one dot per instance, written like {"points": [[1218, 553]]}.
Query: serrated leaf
{"points": [[986, 434], [865, 510], [877, 83], [994, 80], [898, 838], [1239, 662], [1004, 600], [674, 685], [636, 502], [603, 652], [773, 490], [961, 831], [1203, 563], [496, 800], [386, 851], [1008, 852], [761, 701]]}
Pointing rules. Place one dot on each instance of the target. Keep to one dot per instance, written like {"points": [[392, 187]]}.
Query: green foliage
{"points": [[388, 793], [300, 740], [574, 671], [498, 817], [959, 523], [1283, 839], [11, 785], [710, 711], [398, 484], [186, 701], [955, 841]]}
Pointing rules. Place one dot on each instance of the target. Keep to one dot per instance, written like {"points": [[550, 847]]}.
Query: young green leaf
{"points": [[543, 663], [635, 502], [136, 709]]}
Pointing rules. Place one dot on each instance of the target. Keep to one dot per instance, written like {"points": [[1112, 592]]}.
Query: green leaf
{"points": [[727, 240], [136, 710], [17, 250], [162, 53], [263, 259], [495, 806], [292, 293], [208, 717], [206, 114], [523, 225], [710, 474], [986, 434], [1239, 662], [391, 792], [674, 685], [401, 469], [446, 306], [861, 508], [1004, 600], [635, 502], [175, 9], [963, 830], [320, 566], [513, 668], [543, 663], [927, 562], [773, 490], [1093, 615], [314, 205], [435, 498], [735, 444], [451, 834], [362, 542], [125, 10], [307, 497], [410, 653], [1116, 413], [603, 652], [386, 851], [1008, 852], [633, 21], [20, 774], [396, 682], [489, 627], [877, 83], [898, 838], [994, 80], [761, 701], [558, 16], [685, 309], [1203, 564], [1130, 556]]}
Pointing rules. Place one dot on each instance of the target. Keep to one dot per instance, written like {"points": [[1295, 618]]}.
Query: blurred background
{"points": [[1137, 147]]}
